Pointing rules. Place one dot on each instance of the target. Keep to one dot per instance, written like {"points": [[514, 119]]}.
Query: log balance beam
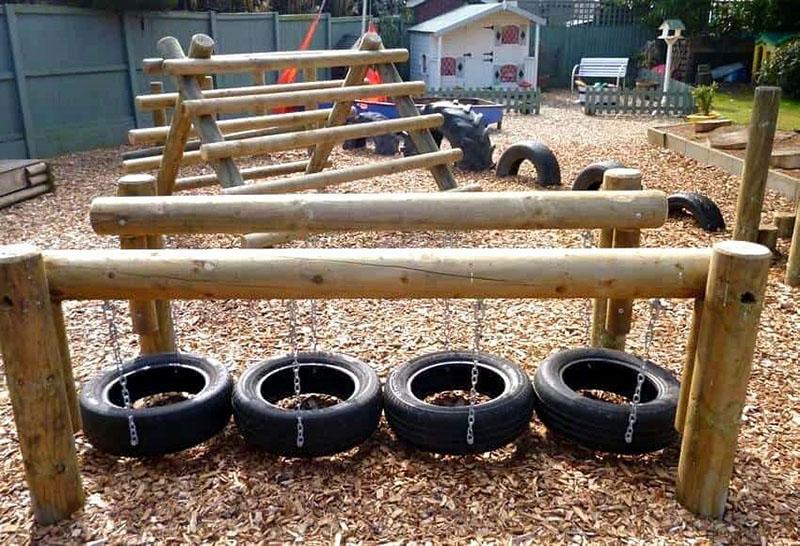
{"points": [[730, 279], [131, 216]]}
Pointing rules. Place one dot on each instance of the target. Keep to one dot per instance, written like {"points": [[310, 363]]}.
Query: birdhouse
{"points": [[672, 28]]}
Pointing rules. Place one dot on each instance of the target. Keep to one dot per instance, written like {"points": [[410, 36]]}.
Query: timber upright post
{"points": [[151, 319], [756, 163], [737, 279], [159, 114], [30, 347], [793, 267], [611, 319]]}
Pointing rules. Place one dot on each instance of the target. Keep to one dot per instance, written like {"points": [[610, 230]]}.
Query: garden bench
{"points": [[600, 67]]}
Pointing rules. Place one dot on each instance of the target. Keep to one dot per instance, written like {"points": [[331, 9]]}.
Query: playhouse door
{"points": [[478, 72]]}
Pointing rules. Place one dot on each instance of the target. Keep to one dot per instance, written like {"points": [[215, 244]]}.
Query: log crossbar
{"points": [[248, 173], [159, 101], [158, 135], [301, 139], [231, 105], [131, 216], [250, 62], [376, 273]]}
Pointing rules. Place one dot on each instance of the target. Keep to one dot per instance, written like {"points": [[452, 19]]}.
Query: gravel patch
{"points": [[541, 490]]}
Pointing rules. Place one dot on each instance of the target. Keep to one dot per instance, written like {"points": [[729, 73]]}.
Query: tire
{"points": [[464, 129], [598, 424], [701, 208], [328, 430], [548, 172], [442, 429], [163, 429], [388, 144], [591, 177]]}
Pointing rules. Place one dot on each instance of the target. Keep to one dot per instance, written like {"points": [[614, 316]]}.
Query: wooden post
{"points": [[756, 163], [159, 116], [259, 79], [355, 76], [793, 265], [66, 365], [734, 297], [784, 221], [206, 126], [611, 320], [688, 364], [151, 319], [33, 367]]}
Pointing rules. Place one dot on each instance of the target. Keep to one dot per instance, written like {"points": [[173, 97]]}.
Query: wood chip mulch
{"points": [[540, 490]]}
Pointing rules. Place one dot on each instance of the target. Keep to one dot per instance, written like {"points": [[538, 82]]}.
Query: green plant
{"points": [[704, 97], [783, 70]]}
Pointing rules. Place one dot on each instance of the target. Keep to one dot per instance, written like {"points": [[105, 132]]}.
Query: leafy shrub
{"points": [[704, 97], [783, 70]]}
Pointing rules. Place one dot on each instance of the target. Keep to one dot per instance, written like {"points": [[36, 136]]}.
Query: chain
{"points": [[477, 311], [170, 243], [446, 311], [296, 370], [109, 313], [587, 241], [655, 307]]}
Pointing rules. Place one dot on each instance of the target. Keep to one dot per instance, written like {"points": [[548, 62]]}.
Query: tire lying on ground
{"points": [[161, 429], [698, 206], [388, 144], [548, 172], [591, 176], [443, 429], [327, 430], [596, 423], [463, 128]]}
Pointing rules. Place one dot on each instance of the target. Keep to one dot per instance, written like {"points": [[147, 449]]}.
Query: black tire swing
{"points": [[476, 427], [112, 421], [567, 400], [310, 427]]}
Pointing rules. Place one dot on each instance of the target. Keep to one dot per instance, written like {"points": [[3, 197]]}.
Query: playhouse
{"points": [[477, 45]]}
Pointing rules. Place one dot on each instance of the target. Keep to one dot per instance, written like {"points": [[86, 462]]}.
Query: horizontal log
{"points": [[376, 273], [160, 101], [36, 168], [249, 173], [232, 105], [158, 135], [249, 62], [312, 137], [152, 163], [37, 179], [376, 211], [324, 179]]}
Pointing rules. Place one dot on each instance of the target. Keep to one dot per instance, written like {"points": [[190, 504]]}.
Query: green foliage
{"points": [[704, 97], [783, 70]]}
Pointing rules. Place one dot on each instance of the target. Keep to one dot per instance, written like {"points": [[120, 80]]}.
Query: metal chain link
{"points": [[477, 312], [587, 241], [446, 311], [655, 307], [170, 243], [109, 313], [292, 305]]}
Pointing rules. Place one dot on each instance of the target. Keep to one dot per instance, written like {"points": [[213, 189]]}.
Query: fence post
{"points": [[19, 79], [737, 279], [30, 347], [756, 163]]}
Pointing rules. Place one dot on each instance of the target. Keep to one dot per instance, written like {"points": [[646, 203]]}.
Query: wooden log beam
{"points": [[370, 42], [35, 382], [793, 265], [160, 114], [66, 365], [375, 212], [377, 273], [340, 176], [158, 135], [249, 173], [232, 105], [737, 280], [167, 100], [302, 139], [155, 65], [222, 64], [763, 122], [156, 162], [205, 125], [423, 140], [688, 365]]}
